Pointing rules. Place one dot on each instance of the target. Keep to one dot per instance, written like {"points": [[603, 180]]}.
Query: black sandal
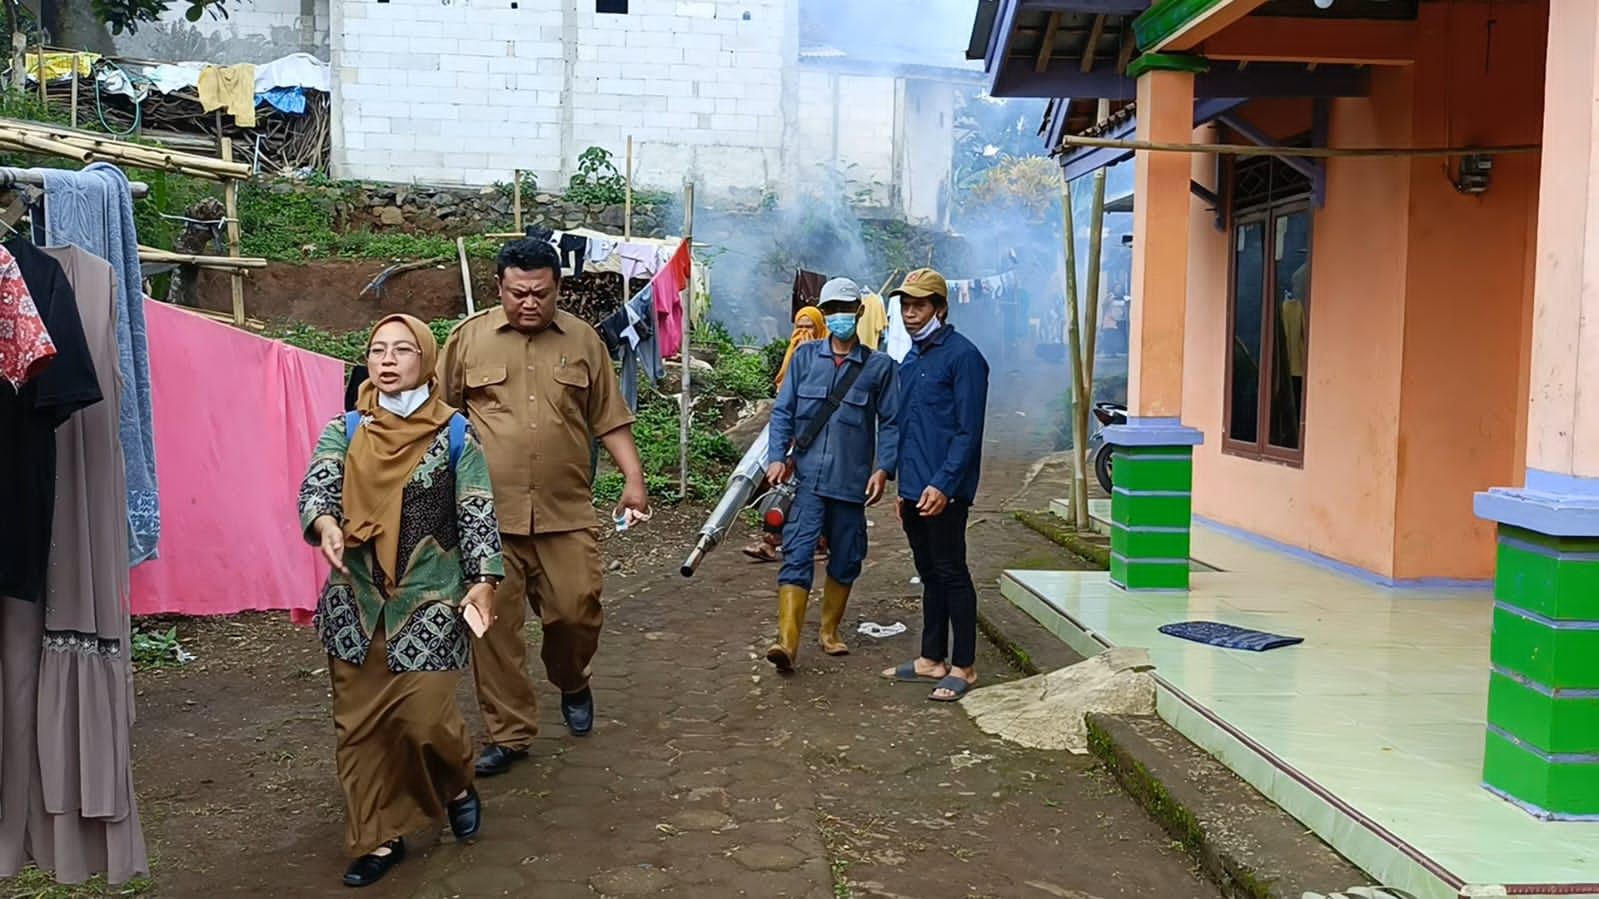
{"points": [[369, 869]]}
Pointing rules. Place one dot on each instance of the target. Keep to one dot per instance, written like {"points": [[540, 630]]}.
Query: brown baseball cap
{"points": [[923, 283]]}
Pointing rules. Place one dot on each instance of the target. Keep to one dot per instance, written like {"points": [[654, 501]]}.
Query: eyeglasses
{"points": [[401, 353]]}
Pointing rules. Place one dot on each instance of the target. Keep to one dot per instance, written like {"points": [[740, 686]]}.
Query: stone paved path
{"points": [[709, 775]]}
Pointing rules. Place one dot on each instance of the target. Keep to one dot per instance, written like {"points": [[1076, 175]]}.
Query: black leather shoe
{"points": [[495, 760], [369, 869], [466, 816], [578, 711]]}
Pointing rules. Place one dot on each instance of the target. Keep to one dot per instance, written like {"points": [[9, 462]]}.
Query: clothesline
{"points": [[11, 177], [595, 235]]}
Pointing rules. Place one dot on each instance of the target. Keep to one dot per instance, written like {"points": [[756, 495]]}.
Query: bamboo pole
{"points": [[39, 72], [516, 199], [466, 273], [230, 193], [627, 213], [1096, 240], [77, 58], [1086, 344], [1074, 141], [119, 150], [48, 147], [1074, 346], [154, 254], [686, 409]]}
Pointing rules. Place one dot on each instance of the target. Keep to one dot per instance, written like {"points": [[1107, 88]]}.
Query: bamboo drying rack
{"points": [[86, 147]]}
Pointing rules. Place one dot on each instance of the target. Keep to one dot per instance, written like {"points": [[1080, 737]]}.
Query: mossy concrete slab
{"points": [[1246, 844]]}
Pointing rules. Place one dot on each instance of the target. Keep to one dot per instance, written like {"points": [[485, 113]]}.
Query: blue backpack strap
{"points": [[457, 437], [352, 420]]}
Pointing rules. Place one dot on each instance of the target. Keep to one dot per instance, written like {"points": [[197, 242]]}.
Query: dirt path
{"points": [[707, 775]]}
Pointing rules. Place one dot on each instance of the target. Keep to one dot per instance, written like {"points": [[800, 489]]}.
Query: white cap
{"points": [[839, 290]]}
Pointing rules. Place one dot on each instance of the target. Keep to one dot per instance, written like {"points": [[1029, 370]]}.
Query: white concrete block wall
{"points": [[467, 91], [696, 84]]}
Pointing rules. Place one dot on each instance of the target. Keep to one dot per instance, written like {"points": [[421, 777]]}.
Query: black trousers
{"points": [[949, 598]]}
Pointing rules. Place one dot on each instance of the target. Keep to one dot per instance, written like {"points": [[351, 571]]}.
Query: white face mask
{"points": [[405, 402], [928, 329]]}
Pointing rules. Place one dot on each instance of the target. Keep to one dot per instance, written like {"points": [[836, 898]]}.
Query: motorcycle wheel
{"points": [[1102, 466]]}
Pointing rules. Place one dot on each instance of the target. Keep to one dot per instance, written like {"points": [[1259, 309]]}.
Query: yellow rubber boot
{"points": [[835, 599], [791, 601]]}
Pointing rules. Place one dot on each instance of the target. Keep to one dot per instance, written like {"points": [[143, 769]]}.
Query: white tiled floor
{"points": [[1382, 707]]}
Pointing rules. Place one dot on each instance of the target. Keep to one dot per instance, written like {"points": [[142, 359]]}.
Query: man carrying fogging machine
{"points": [[834, 434]]}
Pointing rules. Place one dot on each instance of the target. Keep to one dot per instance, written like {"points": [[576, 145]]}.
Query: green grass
{"points": [[711, 455], [31, 883]]}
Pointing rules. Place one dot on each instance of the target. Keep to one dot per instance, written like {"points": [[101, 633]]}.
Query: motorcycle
{"points": [[1098, 450]]}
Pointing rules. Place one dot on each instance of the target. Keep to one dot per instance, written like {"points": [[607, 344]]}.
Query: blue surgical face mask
{"points": [[841, 325]]}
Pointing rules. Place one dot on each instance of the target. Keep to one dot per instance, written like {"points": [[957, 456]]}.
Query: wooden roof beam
{"points": [[1046, 48], [1092, 47], [1331, 41]]}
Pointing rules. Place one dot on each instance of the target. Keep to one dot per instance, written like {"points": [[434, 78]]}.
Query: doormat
{"points": [[1228, 636]]}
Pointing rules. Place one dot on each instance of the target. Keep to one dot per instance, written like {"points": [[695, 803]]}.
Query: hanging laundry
{"points": [[539, 232], [574, 252], [300, 70], [93, 209], [285, 99], [898, 341], [600, 250], [807, 288], [231, 89], [630, 334], [873, 320], [700, 288], [29, 418], [207, 439], [25, 345], [669, 285], [68, 801], [638, 260]]}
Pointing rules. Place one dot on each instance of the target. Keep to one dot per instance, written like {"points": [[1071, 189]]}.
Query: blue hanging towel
{"points": [[1228, 636]]}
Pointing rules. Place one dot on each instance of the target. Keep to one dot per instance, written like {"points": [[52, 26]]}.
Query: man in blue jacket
{"points": [[833, 430], [943, 402]]}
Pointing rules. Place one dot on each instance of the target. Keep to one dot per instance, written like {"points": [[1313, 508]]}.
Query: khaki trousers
{"points": [[558, 577]]}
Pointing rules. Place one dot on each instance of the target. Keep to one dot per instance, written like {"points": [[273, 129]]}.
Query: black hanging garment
{"points": [[352, 390], [807, 290], [28, 422], [574, 250]]}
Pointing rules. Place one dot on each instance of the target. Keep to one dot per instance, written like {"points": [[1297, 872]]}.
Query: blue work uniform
{"points": [[861, 438], [944, 401], [944, 395]]}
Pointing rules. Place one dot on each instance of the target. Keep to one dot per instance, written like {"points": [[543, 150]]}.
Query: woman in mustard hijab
{"points": [[398, 498], [808, 326]]}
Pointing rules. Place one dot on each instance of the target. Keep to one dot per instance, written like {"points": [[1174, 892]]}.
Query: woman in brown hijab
{"points": [[398, 498]]}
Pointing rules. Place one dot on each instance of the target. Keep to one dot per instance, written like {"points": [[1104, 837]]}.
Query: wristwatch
{"points": [[489, 579]]}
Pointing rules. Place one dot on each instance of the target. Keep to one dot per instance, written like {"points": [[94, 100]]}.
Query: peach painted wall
{"points": [[1463, 402], [1340, 504], [1419, 316]]}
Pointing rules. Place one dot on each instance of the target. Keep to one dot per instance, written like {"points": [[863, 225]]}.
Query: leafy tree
{"points": [[89, 24]]}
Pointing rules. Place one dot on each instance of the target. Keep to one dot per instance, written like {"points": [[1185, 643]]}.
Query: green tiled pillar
{"points": [[1542, 748], [1151, 514]]}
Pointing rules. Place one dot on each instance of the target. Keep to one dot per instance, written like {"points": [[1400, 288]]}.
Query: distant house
{"points": [[749, 97]]}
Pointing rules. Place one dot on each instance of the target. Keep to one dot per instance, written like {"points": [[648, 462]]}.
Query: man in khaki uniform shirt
{"points": [[538, 386]]}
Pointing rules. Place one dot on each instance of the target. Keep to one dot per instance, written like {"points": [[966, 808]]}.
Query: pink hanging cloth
{"points": [[236, 417], [669, 285]]}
